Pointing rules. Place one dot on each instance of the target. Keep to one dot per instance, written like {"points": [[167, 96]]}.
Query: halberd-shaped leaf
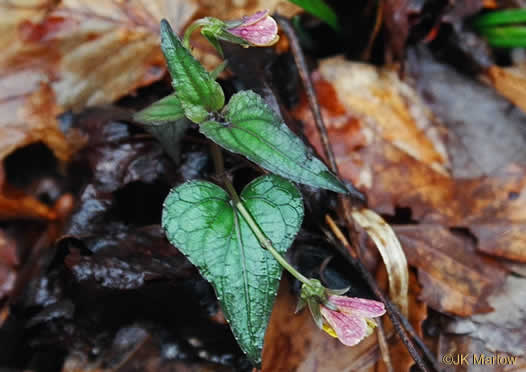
{"points": [[252, 129], [198, 93], [199, 220]]}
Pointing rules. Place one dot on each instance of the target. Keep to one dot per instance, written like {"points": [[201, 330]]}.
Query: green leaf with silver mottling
{"points": [[252, 129], [198, 93], [199, 220]]}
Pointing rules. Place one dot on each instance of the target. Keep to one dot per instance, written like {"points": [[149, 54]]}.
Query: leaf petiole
{"points": [[190, 29], [260, 235], [265, 242]]}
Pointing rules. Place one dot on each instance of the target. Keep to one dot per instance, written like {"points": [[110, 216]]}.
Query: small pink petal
{"points": [[249, 20], [261, 32], [349, 329], [358, 306]]}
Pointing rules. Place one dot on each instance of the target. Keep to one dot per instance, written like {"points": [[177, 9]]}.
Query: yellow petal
{"points": [[371, 325], [330, 331]]}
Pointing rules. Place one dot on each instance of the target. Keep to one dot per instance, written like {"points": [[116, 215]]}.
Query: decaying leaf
{"points": [[464, 172], [454, 278], [367, 106], [94, 52], [504, 328], [15, 13], [28, 115]]}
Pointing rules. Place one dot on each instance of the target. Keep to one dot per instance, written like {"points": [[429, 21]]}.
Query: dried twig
{"points": [[299, 58]]}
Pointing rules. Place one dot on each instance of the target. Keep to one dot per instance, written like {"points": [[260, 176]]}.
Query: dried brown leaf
{"points": [[97, 51], [389, 144], [454, 278], [504, 329], [28, 115]]}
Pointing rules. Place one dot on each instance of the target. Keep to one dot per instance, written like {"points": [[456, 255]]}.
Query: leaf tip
{"points": [[165, 26]]}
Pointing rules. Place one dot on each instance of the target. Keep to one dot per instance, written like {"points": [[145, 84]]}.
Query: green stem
{"points": [[190, 29], [260, 235]]}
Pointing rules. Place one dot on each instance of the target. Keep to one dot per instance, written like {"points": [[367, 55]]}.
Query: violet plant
{"points": [[237, 241]]}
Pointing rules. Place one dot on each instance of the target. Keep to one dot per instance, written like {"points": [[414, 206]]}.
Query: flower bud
{"points": [[259, 29]]}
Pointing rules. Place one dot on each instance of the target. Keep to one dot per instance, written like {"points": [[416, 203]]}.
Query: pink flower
{"points": [[259, 29], [349, 318]]}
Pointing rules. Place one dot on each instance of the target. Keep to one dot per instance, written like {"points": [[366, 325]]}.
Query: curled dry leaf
{"points": [[392, 254]]}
